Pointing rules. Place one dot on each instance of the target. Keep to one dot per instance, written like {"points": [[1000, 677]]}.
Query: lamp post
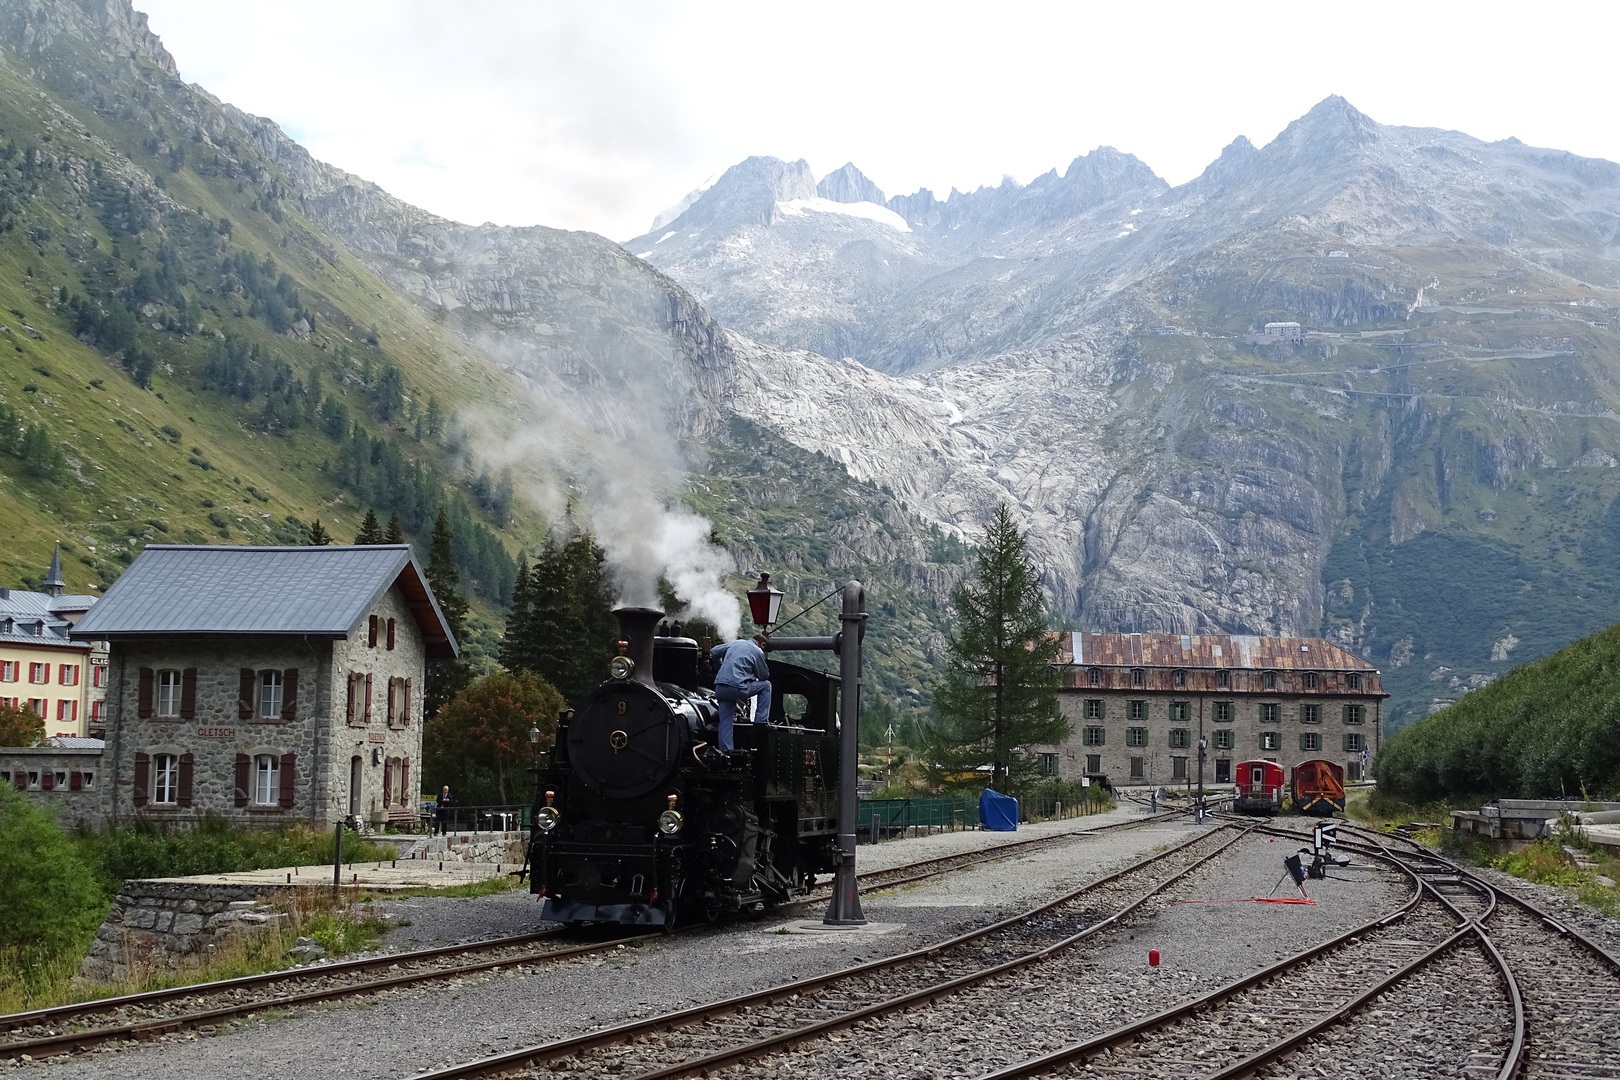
{"points": [[1203, 744], [764, 602]]}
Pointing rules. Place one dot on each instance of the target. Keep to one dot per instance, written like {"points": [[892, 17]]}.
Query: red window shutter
{"points": [[187, 767], [247, 682], [391, 702], [19, 780], [368, 697], [388, 782], [47, 780], [374, 631], [288, 762], [188, 694], [75, 781], [405, 721], [289, 694], [144, 706], [242, 767], [143, 772], [390, 633]]}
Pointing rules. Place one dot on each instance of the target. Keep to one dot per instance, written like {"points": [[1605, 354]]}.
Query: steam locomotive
{"points": [[639, 820]]}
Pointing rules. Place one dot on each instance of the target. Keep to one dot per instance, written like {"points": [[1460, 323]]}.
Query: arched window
{"points": [[1310, 680], [1138, 677], [1269, 680], [1094, 677], [1178, 677]]}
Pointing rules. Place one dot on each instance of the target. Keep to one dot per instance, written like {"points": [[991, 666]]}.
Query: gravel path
{"points": [[400, 1033]]}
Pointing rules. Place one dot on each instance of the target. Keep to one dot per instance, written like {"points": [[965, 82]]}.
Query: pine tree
{"points": [[396, 530], [445, 678], [513, 654], [318, 536], [370, 530], [561, 624], [998, 696]]}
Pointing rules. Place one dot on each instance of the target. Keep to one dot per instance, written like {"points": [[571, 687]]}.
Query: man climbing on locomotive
{"points": [[740, 673]]}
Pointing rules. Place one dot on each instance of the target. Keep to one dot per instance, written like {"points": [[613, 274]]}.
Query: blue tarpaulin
{"points": [[998, 812]]}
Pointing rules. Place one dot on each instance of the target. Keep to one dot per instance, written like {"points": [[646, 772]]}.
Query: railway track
{"points": [[78, 1027], [715, 1036]]}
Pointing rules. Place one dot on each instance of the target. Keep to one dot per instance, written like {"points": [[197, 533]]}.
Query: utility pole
{"points": [[1203, 744]]}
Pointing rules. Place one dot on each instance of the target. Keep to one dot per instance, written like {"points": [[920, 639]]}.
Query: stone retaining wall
{"points": [[159, 926]]}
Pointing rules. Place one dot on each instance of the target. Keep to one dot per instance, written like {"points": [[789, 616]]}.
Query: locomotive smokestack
{"points": [[638, 625]]}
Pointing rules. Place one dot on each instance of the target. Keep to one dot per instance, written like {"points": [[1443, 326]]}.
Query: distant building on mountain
{"points": [[1290, 333]]}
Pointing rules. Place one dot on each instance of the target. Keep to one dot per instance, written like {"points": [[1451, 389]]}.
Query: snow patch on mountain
{"points": [[870, 211]]}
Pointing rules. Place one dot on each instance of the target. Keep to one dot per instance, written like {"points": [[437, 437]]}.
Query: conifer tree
{"points": [[998, 695], [561, 624], [396, 530], [370, 530], [445, 677], [518, 617], [318, 536]]}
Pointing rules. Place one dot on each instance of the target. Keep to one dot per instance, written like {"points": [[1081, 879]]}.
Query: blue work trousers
{"points": [[728, 697]]}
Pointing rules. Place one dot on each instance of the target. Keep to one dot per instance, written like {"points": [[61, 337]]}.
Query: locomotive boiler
{"points": [[640, 820]]}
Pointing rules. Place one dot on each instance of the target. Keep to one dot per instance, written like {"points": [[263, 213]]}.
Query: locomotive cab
{"points": [[634, 825]]}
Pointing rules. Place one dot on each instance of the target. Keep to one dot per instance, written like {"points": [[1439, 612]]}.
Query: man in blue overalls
{"points": [[740, 672]]}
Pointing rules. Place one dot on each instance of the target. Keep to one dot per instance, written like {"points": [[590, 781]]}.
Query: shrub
{"points": [[51, 901]]}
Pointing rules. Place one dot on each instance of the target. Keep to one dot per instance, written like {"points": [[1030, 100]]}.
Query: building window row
{"points": [[166, 779], [39, 672], [24, 779], [1311, 680], [1222, 712]]}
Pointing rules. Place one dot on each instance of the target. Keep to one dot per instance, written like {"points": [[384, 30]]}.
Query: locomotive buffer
{"points": [[764, 602]]}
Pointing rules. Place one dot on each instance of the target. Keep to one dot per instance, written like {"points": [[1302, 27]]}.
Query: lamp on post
{"points": [[534, 743], [764, 602], [1203, 744]]}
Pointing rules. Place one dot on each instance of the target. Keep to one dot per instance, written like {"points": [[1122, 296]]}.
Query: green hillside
{"points": [[1545, 729]]}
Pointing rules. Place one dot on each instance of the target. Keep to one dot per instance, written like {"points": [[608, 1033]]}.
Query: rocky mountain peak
{"points": [[1332, 129], [849, 185], [747, 194], [110, 26]]}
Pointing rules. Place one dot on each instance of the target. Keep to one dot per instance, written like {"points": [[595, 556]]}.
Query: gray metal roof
{"points": [[26, 618], [311, 591]]}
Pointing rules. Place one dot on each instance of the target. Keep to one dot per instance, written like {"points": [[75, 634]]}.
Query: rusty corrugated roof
{"points": [[1205, 651]]}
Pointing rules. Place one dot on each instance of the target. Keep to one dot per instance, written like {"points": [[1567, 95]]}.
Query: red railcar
{"points": [[1259, 787], [1317, 788]]}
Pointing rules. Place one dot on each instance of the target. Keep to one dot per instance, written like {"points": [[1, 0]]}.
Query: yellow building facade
{"points": [[62, 681]]}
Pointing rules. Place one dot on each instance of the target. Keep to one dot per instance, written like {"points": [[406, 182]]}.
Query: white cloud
{"points": [[596, 116]]}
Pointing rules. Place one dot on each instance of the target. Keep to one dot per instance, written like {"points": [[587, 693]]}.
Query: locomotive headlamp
{"points": [[621, 667], [670, 822], [764, 602], [546, 818]]}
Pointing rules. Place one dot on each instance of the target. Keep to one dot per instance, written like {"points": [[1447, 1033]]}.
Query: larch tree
{"points": [[998, 694]]}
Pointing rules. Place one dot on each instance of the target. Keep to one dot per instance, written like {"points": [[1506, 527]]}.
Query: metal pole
{"points": [[1201, 743], [845, 906], [337, 860]]}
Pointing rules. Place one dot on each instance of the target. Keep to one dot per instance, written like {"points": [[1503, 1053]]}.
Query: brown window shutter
{"points": [[47, 780], [405, 796], [148, 677], [188, 694], [390, 633], [289, 694], [368, 697], [187, 767], [143, 772], [248, 681], [405, 721], [75, 781], [388, 782], [374, 631], [391, 702], [288, 761], [19, 780], [349, 714], [242, 767]]}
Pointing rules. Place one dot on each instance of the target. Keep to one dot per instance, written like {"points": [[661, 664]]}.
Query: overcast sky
{"points": [[597, 115]]}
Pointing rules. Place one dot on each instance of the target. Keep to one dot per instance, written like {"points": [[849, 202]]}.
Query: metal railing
{"points": [[883, 819], [494, 817]]}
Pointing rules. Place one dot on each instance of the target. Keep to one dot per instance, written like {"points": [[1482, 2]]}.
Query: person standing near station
{"points": [[741, 672], [441, 809]]}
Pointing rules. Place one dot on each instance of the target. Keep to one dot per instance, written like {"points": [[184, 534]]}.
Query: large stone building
{"points": [[266, 684], [41, 668], [1139, 703]]}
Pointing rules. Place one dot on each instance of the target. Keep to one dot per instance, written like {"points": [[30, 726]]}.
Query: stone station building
{"points": [[266, 684], [1137, 704]]}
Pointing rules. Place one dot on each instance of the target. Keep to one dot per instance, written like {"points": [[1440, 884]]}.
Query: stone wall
{"points": [[65, 781], [157, 926]]}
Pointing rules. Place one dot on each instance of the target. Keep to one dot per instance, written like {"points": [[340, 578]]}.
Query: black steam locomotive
{"points": [[639, 820]]}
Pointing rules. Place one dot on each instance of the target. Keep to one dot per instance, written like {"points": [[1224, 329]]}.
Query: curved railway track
{"points": [[726, 1033], [72, 1028]]}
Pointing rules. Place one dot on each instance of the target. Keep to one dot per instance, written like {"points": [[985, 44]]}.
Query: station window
{"points": [[168, 692], [165, 779], [1138, 677], [1223, 712], [1049, 764], [1310, 680], [1269, 680], [1270, 713], [1355, 741], [1355, 714], [1093, 736], [1094, 677], [1180, 710], [1223, 680], [1223, 770], [1178, 768], [1094, 709], [1225, 739], [1180, 738], [1178, 678], [1310, 740], [1138, 768], [1270, 740], [1352, 681], [270, 691], [1093, 763], [1136, 736], [1136, 710], [266, 780], [1310, 714]]}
